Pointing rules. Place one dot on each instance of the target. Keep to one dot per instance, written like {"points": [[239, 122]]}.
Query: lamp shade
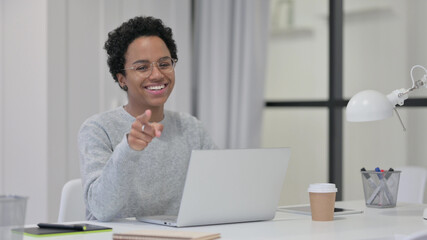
{"points": [[368, 105]]}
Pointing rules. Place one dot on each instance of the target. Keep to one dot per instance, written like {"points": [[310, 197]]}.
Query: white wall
{"points": [[54, 75], [57, 122], [24, 103], [1, 99]]}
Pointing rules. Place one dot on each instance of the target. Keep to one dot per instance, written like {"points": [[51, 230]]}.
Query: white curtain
{"points": [[231, 39]]}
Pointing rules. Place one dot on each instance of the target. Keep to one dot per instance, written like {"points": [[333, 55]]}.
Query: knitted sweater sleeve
{"points": [[102, 169]]}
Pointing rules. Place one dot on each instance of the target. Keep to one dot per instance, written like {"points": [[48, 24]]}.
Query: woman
{"points": [[134, 158]]}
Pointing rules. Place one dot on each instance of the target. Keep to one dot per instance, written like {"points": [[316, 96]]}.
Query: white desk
{"points": [[391, 223]]}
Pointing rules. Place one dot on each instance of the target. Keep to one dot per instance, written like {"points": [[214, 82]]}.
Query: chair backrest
{"points": [[72, 206], [412, 184]]}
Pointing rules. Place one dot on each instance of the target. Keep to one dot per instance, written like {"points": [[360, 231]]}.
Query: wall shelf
{"points": [[291, 32]]}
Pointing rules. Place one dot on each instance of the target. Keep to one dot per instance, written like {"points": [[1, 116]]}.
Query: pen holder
{"points": [[380, 188]]}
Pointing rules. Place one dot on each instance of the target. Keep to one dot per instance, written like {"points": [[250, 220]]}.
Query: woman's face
{"points": [[147, 90]]}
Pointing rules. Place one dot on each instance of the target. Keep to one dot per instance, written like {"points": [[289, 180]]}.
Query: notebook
{"points": [[150, 234], [43, 232], [229, 186]]}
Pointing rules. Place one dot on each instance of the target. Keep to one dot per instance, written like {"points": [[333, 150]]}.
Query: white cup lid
{"points": [[322, 188]]}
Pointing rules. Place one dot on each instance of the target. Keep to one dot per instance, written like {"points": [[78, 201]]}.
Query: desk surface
{"points": [[391, 223]]}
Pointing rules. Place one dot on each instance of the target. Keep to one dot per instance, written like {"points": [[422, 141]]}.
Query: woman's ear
{"points": [[121, 79]]}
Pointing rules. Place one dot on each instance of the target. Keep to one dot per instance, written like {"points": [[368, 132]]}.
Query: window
{"points": [[317, 65], [297, 93]]}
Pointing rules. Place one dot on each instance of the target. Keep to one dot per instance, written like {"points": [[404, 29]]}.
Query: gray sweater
{"points": [[120, 182]]}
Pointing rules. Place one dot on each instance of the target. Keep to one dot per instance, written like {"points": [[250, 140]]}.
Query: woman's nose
{"points": [[155, 72]]}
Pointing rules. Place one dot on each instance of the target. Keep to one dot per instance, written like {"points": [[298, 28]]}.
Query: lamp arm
{"points": [[422, 81], [397, 97]]}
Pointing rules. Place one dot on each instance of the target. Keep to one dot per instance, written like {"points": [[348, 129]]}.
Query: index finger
{"points": [[145, 117]]}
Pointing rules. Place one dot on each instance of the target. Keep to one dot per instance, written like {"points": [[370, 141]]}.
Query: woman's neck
{"points": [[157, 113]]}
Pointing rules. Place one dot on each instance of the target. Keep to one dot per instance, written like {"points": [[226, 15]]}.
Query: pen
{"points": [[386, 189], [78, 227], [388, 174], [377, 169], [368, 177]]}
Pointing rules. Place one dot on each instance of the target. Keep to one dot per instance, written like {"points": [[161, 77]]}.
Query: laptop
{"points": [[229, 186]]}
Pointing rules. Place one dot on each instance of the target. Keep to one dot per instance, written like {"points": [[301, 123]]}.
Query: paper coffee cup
{"points": [[322, 201]]}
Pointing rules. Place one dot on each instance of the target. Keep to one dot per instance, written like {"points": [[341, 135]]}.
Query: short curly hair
{"points": [[120, 38]]}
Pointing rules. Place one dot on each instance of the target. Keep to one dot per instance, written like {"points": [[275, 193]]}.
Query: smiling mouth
{"points": [[156, 87]]}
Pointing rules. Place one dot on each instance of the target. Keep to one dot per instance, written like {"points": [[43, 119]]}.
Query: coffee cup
{"points": [[322, 201]]}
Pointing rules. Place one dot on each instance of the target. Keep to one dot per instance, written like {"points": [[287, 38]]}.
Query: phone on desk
{"points": [[340, 209], [305, 209]]}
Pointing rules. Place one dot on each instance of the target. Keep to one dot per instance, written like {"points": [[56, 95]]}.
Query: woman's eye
{"points": [[165, 64], [143, 68]]}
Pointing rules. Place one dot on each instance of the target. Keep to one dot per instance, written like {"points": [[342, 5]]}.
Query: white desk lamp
{"points": [[370, 105]]}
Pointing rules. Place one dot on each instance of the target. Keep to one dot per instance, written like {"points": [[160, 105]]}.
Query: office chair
{"points": [[412, 184], [72, 206]]}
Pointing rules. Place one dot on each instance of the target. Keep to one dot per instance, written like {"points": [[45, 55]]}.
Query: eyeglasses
{"points": [[145, 68]]}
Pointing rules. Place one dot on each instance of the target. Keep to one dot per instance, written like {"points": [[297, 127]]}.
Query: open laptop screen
{"points": [[233, 185]]}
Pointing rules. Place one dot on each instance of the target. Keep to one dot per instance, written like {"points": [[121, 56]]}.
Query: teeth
{"points": [[156, 87]]}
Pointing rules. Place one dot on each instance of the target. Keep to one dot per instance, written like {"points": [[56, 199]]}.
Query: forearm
{"points": [[106, 179]]}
